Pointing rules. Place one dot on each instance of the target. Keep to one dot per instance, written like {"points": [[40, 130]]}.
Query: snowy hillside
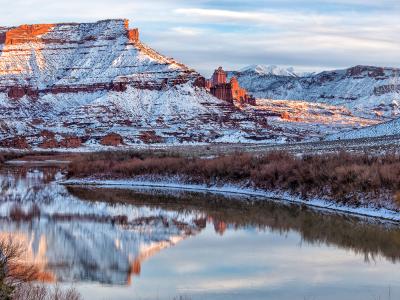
{"points": [[67, 85], [383, 129], [366, 91]]}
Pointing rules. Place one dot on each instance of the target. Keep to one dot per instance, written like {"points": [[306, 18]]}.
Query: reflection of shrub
{"points": [[38, 291], [343, 177], [18, 214]]}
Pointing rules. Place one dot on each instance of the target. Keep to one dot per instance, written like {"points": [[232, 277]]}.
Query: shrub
{"points": [[342, 177]]}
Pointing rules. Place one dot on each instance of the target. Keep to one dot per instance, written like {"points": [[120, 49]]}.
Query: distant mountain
{"points": [[270, 70], [366, 91]]}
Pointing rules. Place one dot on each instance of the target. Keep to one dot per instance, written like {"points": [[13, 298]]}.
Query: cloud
{"points": [[186, 31], [308, 34]]}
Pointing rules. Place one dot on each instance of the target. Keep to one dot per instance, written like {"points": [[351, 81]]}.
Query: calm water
{"points": [[149, 244]]}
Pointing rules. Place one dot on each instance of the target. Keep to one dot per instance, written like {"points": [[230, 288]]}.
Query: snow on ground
{"points": [[384, 129]]}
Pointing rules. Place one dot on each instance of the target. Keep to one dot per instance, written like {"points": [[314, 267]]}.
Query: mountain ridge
{"points": [[365, 90]]}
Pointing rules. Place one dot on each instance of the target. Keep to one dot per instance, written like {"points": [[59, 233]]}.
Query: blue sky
{"points": [[306, 34]]}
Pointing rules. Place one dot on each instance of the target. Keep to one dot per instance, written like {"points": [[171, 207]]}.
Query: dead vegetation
{"points": [[343, 177], [19, 280]]}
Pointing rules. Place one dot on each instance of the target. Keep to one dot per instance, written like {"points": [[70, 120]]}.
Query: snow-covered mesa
{"points": [[76, 85]]}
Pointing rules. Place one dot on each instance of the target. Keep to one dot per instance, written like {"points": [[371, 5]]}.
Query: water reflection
{"points": [[360, 235], [81, 234], [75, 240]]}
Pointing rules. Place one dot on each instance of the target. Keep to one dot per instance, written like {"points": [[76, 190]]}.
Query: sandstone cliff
{"points": [[85, 81]]}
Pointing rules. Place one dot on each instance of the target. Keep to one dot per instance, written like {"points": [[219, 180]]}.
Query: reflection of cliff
{"points": [[314, 227], [69, 239], [89, 251]]}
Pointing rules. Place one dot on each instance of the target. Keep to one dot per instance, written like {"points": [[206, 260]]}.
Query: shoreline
{"points": [[382, 214]]}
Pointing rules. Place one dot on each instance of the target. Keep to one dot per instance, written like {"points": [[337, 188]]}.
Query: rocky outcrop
{"points": [[112, 139], [229, 92], [49, 143], [17, 92], [133, 35]]}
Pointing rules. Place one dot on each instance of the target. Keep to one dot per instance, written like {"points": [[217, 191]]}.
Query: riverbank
{"points": [[354, 183], [365, 211]]}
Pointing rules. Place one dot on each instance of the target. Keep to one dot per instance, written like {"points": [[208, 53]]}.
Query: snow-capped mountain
{"points": [[365, 90], [271, 70]]}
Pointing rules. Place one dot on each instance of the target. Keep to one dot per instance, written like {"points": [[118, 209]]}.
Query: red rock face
{"points": [[112, 139], [47, 134], [150, 137], [133, 35], [17, 92], [200, 82], [222, 91], [229, 92], [71, 142], [17, 143], [25, 33], [219, 77], [49, 143]]}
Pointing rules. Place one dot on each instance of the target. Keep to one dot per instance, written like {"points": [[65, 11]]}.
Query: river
{"points": [[162, 244]]}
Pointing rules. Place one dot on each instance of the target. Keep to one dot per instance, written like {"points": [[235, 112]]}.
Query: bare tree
{"points": [[17, 277]]}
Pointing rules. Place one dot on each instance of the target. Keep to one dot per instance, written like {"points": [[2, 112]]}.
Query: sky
{"points": [[309, 35]]}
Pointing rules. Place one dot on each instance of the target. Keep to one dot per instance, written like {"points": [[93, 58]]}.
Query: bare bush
{"points": [[16, 277], [31, 291]]}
